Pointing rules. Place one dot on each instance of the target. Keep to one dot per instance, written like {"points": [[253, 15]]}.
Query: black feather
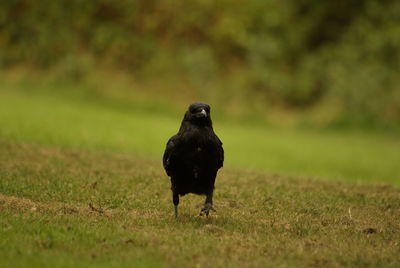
{"points": [[194, 155]]}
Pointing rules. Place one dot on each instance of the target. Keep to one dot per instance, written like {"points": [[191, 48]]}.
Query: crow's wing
{"points": [[169, 152], [220, 152]]}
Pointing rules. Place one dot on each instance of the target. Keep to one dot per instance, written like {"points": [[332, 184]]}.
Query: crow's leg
{"points": [[175, 200], [207, 205]]}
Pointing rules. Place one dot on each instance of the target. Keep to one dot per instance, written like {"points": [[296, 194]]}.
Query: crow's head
{"points": [[198, 113], [199, 110]]}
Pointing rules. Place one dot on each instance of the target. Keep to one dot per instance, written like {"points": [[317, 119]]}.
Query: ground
{"points": [[82, 185], [64, 207]]}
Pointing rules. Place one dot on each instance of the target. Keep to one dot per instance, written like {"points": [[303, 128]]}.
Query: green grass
{"points": [[74, 208], [76, 123], [82, 185]]}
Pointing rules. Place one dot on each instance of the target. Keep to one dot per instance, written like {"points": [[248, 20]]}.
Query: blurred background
{"points": [[300, 86]]}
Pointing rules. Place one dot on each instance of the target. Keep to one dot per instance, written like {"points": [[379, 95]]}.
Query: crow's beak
{"points": [[202, 113]]}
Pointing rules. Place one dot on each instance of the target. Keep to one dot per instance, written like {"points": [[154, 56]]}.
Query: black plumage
{"points": [[193, 156]]}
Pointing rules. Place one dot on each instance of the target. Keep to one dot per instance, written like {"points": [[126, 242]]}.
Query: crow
{"points": [[193, 156]]}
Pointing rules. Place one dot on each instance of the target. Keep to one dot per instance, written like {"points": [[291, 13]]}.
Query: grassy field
{"points": [[74, 208], [74, 123], [81, 185]]}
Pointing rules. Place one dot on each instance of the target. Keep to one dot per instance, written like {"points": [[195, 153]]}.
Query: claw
{"points": [[206, 210]]}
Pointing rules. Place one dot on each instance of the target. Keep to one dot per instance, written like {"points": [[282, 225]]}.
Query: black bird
{"points": [[193, 157]]}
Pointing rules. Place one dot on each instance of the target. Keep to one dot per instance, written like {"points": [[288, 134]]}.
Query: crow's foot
{"points": [[206, 210]]}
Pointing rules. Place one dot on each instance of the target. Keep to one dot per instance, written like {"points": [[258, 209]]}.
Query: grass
{"points": [[76, 123], [81, 185], [68, 207]]}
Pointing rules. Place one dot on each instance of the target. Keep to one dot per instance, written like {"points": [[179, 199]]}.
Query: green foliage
{"points": [[290, 53]]}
